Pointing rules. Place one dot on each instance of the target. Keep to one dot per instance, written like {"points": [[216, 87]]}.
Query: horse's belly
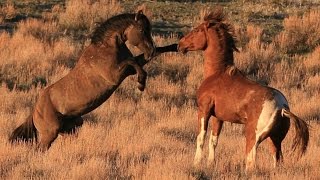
{"points": [[96, 102], [231, 117], [229, 113], [78, 101]]}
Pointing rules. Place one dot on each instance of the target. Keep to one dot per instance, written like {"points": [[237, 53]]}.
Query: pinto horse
{"points": [[103, 65], [227, 95]]}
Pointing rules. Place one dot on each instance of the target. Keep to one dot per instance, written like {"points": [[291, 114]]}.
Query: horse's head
{"points": [[139, 35], [194, 40], [213, 32]]}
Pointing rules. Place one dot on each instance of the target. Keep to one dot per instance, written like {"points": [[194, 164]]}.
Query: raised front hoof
{"points": [[141, 87]]}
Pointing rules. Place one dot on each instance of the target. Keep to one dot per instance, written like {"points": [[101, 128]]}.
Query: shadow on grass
{"points": [[180, 135]]}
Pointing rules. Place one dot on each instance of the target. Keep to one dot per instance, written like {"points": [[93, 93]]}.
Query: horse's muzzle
{"points": [[181, 49]]}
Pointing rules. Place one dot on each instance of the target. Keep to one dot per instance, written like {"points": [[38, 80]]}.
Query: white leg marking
{"points": [[213, 141], [200, 142], [275, 163]]}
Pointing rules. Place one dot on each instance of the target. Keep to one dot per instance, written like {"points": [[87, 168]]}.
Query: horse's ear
{"points": [[138, 15]]}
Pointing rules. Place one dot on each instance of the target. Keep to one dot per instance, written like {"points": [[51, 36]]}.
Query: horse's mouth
{"points": [[182, 50]]}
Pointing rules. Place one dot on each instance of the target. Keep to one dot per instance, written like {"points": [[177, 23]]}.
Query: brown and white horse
{"points": [[227, 95]]}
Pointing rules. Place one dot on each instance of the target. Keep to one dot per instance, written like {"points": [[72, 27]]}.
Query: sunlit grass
{"points": [[152, 134]]}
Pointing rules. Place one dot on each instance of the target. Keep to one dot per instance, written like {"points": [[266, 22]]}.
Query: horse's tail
{"points": [[301, 137], [25, 132]]}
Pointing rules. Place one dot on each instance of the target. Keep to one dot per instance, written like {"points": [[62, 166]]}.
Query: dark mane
{"points": [[116, 23], [224, 29], [216, 15]]}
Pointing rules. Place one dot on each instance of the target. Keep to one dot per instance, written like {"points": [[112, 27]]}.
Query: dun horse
{"points": [[227, 95], [104, 64]]}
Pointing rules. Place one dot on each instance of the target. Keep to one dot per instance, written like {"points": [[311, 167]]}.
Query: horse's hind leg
{"points": [[251, 147], [46, 121], [142, 74], [213, 141], [48, 129], [277, 135]]}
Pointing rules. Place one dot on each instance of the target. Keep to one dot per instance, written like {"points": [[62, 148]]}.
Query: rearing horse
{"points": [[227, 95], [103, 65]]}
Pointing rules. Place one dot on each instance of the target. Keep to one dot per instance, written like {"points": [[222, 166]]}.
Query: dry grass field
{"points": [[152, 134]]}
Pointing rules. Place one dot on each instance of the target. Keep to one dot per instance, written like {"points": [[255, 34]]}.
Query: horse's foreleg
{"points": [[213, 141], [203, 119], [142, 74]]}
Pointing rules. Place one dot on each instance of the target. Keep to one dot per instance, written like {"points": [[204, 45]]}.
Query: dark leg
{"points": [[278, 133], [275, 148], [142, 74], [70, 125]]}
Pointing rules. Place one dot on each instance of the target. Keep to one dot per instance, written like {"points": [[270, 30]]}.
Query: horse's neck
{"points": [[216, 62], [217, 57], [114, 40]]}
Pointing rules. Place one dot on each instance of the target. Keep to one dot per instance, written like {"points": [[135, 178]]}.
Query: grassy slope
{"points": [[151, 135]]}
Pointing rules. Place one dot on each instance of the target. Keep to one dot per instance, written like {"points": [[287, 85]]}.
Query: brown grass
{"points": [[83, 14], [8, 11], [301, 34], [150, 135]]}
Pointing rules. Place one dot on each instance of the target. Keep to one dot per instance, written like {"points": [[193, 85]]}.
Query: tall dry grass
{"points": [[8, 11], [83, 14], [149, 135], [33, 52], [301, 34]]}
